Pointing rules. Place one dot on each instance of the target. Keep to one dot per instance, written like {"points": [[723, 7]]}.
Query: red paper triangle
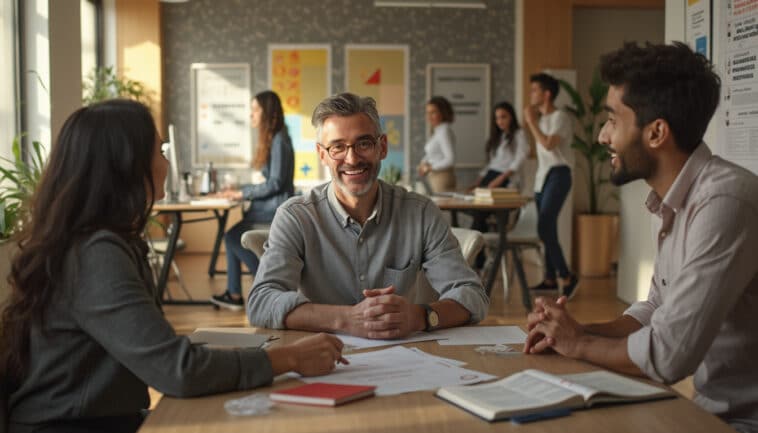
{"points": [[376, 78]]}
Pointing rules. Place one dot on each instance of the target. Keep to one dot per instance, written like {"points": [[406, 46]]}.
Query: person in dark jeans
{"points": [[276, 160], [553, 133], [506, 151]]}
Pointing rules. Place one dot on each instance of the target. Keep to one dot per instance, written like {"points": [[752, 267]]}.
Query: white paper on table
{"points": [[363, 343], [451, 361], [479, 335], [397, 370]]}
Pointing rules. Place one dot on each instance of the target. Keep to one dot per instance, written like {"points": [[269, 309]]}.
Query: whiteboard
{"points": [[467, 87], [220, 94]]}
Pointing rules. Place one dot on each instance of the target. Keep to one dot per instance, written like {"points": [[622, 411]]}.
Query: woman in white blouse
{"points": [[439, 156], [506, 151]]}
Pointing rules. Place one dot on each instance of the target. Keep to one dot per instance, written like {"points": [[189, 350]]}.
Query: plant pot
{"points": [[596, 241], [7, 249]]}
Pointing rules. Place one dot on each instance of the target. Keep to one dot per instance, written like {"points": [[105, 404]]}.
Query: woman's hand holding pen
{"points": [[310, 356]]}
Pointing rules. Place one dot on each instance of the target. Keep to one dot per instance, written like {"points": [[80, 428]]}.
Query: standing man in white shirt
{"points": [[553, 132], [699, 317]]}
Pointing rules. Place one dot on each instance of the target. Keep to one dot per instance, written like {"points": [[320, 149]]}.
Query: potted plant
{"points": [[596, 231], [18, 180], [103, 83]]}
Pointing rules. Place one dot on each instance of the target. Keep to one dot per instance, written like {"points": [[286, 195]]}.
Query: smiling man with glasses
{"points": [[344, 257]]}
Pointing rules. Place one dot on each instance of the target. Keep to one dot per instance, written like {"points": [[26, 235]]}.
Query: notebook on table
{"points": [[322, 394]]}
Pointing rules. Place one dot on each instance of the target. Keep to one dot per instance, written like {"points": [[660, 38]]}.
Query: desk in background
{"points": [[501, 209], [220, 211], [420, 412]]}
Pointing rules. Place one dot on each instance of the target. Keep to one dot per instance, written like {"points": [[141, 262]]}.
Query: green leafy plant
{"points": [[18, 180], [103, 83], [586, 142], [392, 175]]}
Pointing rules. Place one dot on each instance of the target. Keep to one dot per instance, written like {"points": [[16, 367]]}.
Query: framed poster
{"points": [[381, 72], [737, 127], [467, 87], [698, 27], [301, 76], [220, 95]]}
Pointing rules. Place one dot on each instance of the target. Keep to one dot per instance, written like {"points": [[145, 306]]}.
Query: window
{"points": [[8, 76], [91, 36]]}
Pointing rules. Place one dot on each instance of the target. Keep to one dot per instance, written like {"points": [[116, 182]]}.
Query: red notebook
{"points": [[322, 394]]}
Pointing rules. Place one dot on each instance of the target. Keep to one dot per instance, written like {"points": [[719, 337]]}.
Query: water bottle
{"points": [[205, 183]]}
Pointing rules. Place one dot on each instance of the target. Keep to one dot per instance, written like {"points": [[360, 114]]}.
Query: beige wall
{"points": [[596, 32]]}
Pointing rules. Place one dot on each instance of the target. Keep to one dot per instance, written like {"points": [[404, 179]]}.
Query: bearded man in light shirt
{"points": [[699, 317], [344, 257]]}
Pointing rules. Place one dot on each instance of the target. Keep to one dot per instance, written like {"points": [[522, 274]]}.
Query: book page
{"points": [[516, 392], [616, 385], [566, 383]]}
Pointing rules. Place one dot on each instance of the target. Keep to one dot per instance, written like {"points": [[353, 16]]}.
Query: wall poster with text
{"points": [[301, 76], [381, 72], [738, 59], [220, 94]]}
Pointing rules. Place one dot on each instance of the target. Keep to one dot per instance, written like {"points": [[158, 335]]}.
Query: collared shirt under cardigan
{"points": [[317, 253], [700, 315]]}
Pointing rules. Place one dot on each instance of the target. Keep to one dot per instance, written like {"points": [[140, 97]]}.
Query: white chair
{"points": [[253, 240], [471, 243], [522, 235]]}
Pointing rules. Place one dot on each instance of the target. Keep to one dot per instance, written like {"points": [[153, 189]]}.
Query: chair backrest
{"points": [[525, 229], [253, 240], [471, 242]]}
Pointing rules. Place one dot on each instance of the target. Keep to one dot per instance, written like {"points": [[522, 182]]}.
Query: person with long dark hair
{"points": [[437, 165], [506, 151], [276, 160], [82, 334]]}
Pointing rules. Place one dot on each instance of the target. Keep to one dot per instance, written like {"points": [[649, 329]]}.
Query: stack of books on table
{"points": [[495, 195]]}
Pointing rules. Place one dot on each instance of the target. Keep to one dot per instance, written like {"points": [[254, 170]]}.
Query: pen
{"points": [[549, 414]]}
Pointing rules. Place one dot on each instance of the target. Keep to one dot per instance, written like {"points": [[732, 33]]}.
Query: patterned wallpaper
{"points": [[215, 31]]}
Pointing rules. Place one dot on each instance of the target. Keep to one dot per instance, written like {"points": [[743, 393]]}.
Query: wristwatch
{"points": [[432, 319]]}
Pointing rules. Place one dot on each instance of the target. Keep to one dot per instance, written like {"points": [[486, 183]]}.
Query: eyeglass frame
{"points": [[375, 142]]}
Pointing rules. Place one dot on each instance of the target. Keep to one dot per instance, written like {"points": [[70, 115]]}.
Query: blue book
{"points": [[534, 392]]}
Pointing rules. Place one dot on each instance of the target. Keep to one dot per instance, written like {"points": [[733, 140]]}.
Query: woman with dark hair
{"points": [[506, 151], [82, 335], [439, 150], [276, 160]]}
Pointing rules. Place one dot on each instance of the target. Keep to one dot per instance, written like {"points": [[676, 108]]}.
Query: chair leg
{"points": [[506, 280], [175, 267]]}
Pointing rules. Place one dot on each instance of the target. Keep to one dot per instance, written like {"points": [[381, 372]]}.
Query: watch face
{"points": [[434, 319]]}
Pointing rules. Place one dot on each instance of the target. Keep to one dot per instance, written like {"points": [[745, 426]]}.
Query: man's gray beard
{"points": [[365, 190]]}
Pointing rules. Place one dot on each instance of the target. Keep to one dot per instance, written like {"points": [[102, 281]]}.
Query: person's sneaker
{"points": [[544, 286], [226, 301], [569, 289]]}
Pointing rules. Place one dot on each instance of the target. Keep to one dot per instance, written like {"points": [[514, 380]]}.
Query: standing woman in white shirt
{"points": [[439, 150], [506, 151], [553, 132]]}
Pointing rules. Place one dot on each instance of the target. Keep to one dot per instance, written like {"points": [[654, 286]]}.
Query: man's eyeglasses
{"points": [[363, 147]]}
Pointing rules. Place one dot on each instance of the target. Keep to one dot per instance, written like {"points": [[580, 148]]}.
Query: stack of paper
{"points": [[398, 369]]}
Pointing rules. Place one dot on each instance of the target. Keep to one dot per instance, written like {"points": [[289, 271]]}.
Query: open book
{"points": [[534, 391]]}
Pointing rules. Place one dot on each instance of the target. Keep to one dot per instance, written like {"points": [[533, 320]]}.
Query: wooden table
{"points": [[175, 210], [420, 412], [501, 209]]}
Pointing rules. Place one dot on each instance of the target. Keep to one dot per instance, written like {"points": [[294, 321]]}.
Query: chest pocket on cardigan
{"points": [[402, 278]]}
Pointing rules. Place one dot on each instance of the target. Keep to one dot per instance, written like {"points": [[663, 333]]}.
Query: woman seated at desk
{"points": [[82, 335], [275, 158]]}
